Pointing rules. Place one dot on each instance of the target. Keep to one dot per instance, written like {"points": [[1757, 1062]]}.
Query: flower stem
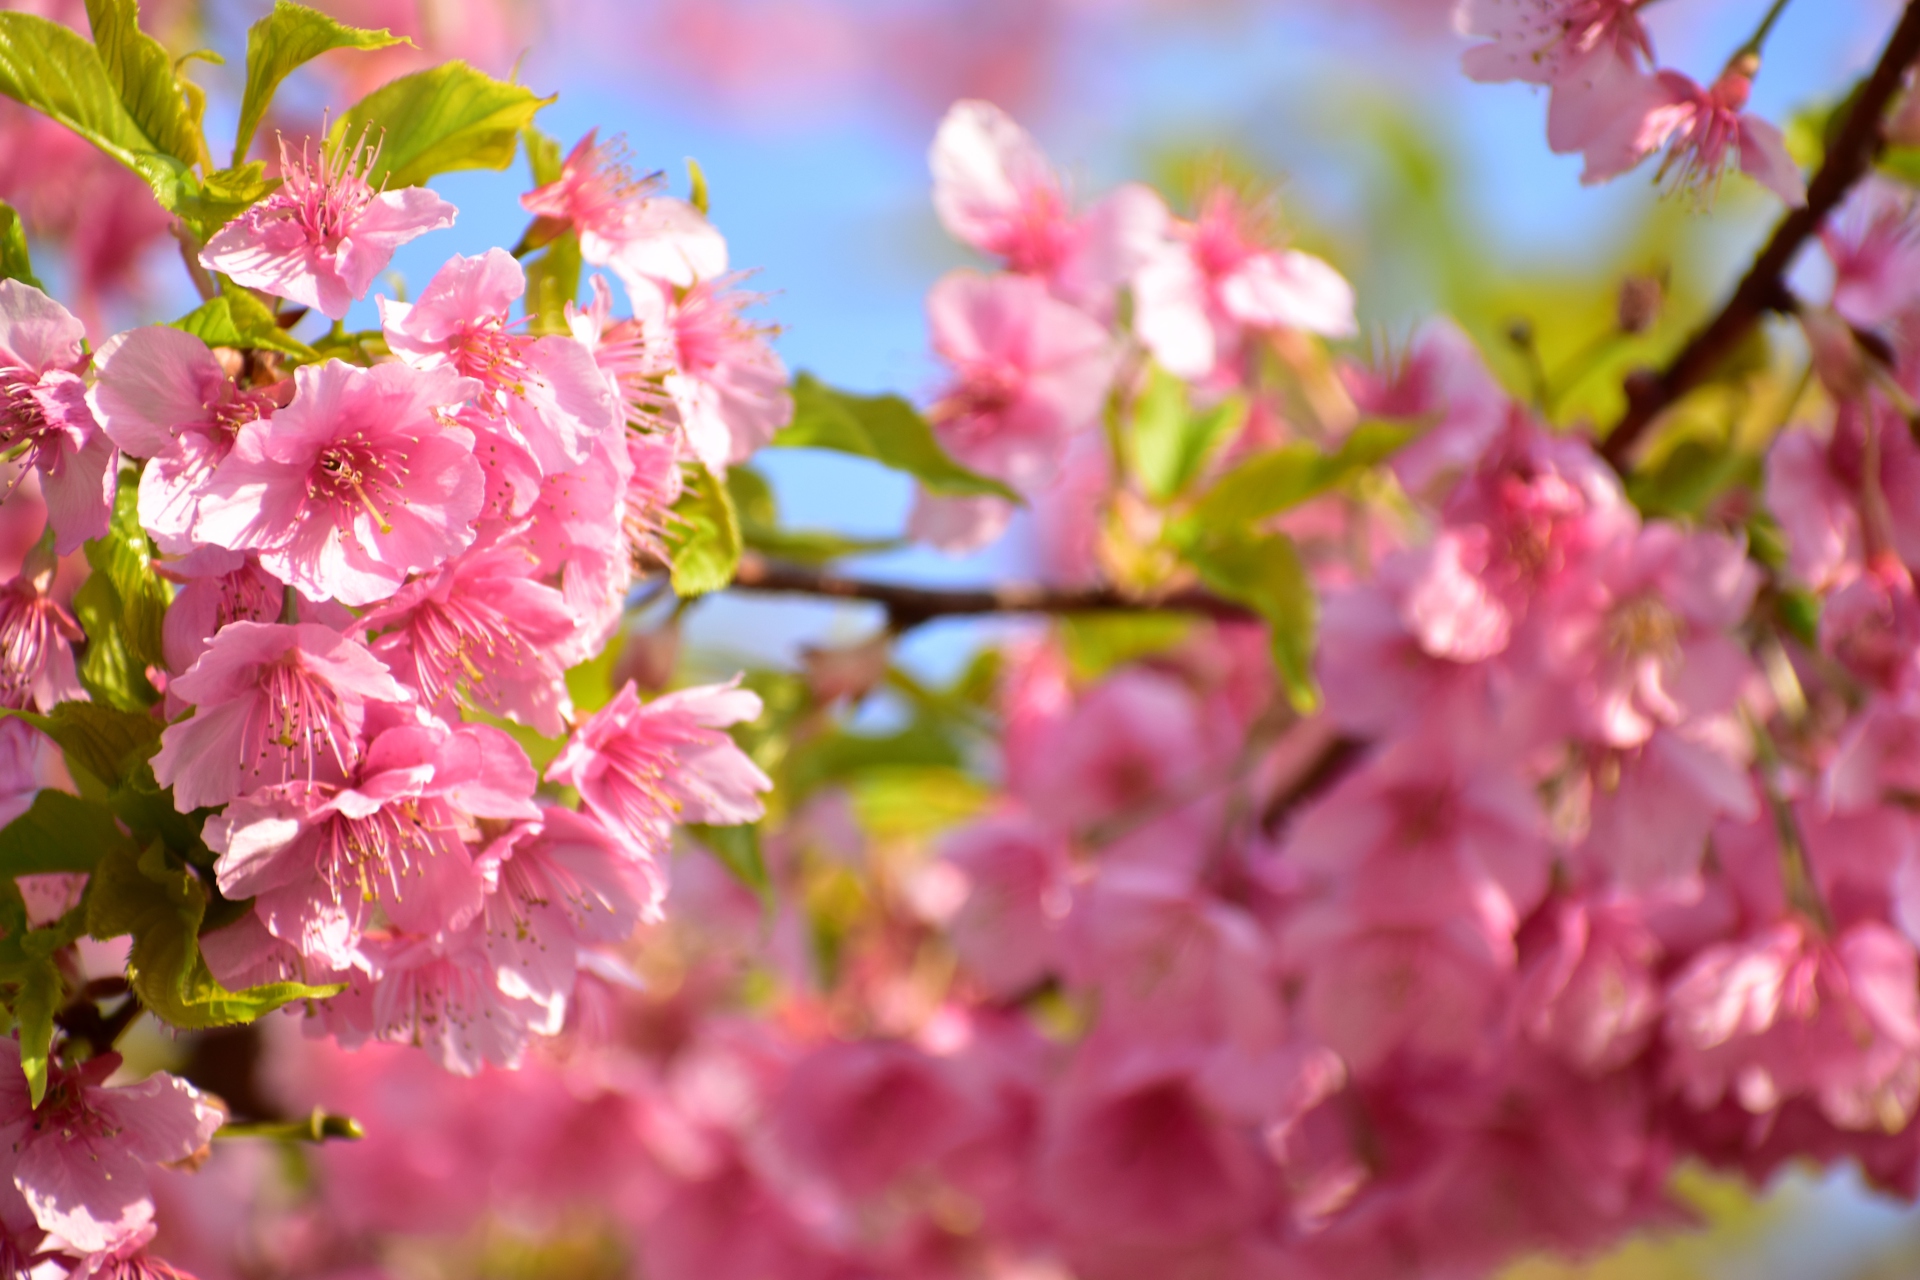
{"points": [[1752, 47]]}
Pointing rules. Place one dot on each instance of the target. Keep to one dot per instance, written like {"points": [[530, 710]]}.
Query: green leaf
{"points": [[738, 849], [703, 536], [544, 159], [434, 121], [319, 1126], [884, 428], [58, 833], [225, 195], [162, 904], [1096, 643], [106, 745], [15, 262], [125, 557], [286, 39], [838, 756], [50, 68], [1263, 572], [697, 186], [1280, 479], [553, 280], [141, 71], [1171, 443], [121, 606], [39, 995], [239, 319]]}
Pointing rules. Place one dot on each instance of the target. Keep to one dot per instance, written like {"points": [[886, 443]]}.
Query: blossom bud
{"points": [[1641, 298], [1837, 356], [649, 657]]}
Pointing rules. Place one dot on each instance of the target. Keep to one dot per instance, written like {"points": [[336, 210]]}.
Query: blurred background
{"points": [[811, 120]]}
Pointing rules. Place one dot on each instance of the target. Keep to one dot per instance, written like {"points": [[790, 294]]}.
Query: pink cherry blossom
{"points": [[640, 767], [480, 630], [1008, 931], [1705, 132], [868, 1112], [37, 636], [1441, 382], [1874, 245], [995, 190], [1217, 279], [624, 224], [546, 386], [1029, 372], [326, 233], [728, 388], [316, 857], [84, 1158], [273, 704], [1548, 41], [159, 394], [43, 411], [1785, 1012], [355, 484]]}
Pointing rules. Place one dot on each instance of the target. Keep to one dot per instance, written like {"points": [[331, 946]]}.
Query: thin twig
{"points": [[908, 606], [1763, 289], [190, 254]]}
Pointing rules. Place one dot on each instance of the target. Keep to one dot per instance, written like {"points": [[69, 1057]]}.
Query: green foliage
{"points": [[696, 185], [884, 428], [435, 121], [141, 72], [838, 756], [58, 833], [15, 262], [102, 745], [703, 536], [1170, 442], [1263, 572], [1096, 643], [52, 69], [225, 194], [237, 318], [544, 160], [760, 529], [121, 606], [1283, 478], [33, 986], [161, 903], [286, 39]]}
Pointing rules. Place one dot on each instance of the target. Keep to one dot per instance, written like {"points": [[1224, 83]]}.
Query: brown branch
{"points": [[908, 606], [1763, 289]]}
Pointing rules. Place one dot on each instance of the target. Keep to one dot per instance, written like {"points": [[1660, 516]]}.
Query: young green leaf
{"points": [[283, 41], [141, 71], [103, 745], [884, 428], [15, 263], [553, 280], [162, 903], [544, 160], [703, 536], [121, 607], [1280, 479], [58, 832], [50, 68], [1263, 572], [1171, 443], [434, 121], [238, 319], [225, 195]]}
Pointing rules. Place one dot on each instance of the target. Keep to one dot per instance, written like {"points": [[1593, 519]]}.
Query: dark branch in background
{"points": [[908, 607], [1763, 289]]}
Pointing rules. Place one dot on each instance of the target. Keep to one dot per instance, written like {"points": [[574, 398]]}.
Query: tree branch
{"points": [[908, 607], [1763, 289]]}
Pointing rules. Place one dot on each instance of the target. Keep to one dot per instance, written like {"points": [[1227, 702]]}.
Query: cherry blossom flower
{"points": [[624, 224], [1548, 41], [728, 388], [1874, 245], [1705, 131], [44, 413], [355, 484], [84, 1157], [1029, 372], [159, 394], [326, 233], [273, 704], [547, 387], [37, 636], [481, 629], [1217, 279], [994, 190], [640, 767]]}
